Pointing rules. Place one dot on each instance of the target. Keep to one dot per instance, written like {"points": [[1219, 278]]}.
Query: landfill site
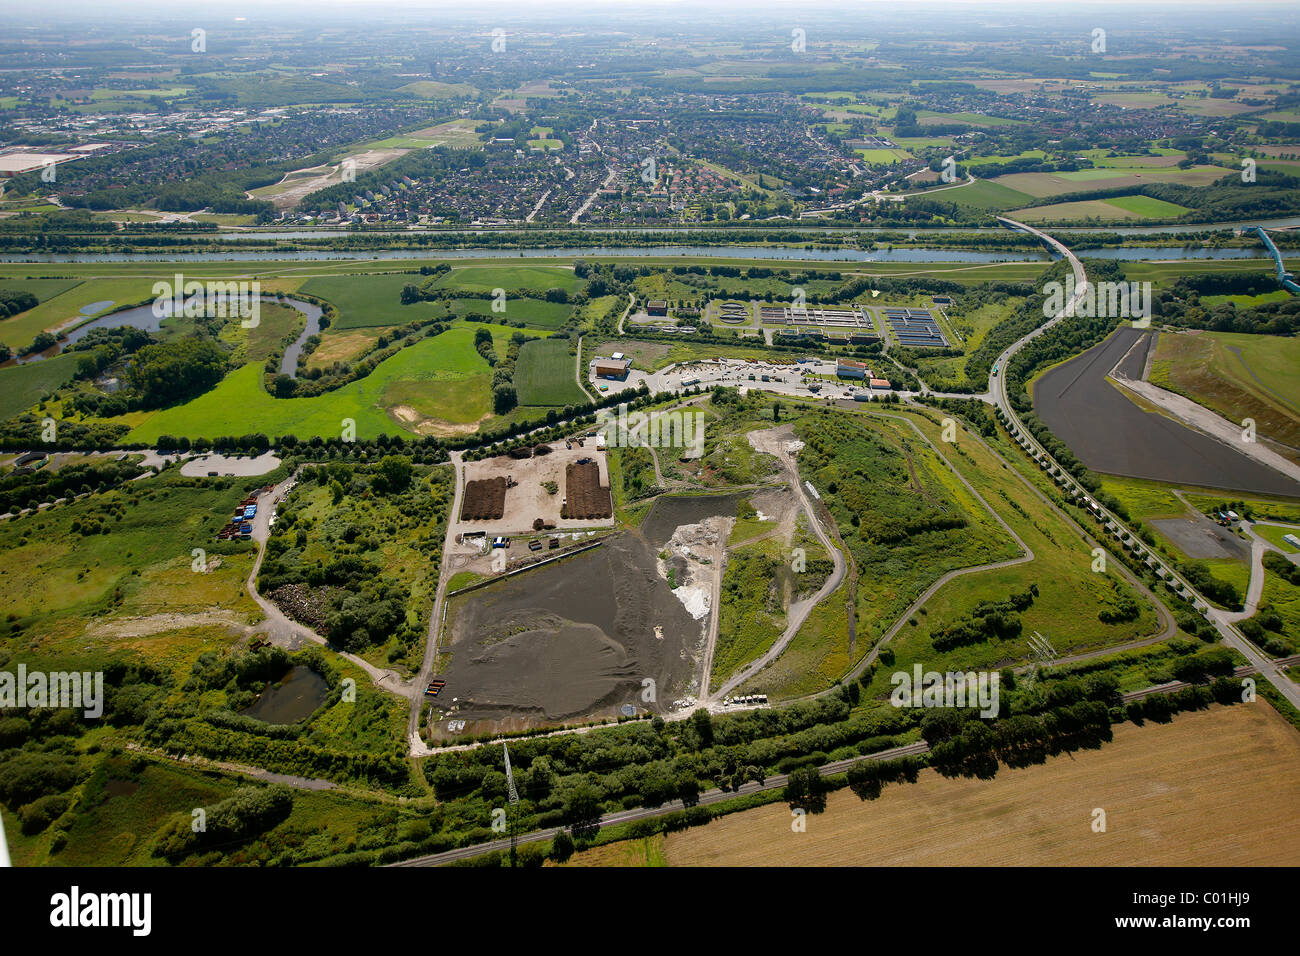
{"points": [[614, 623], [564, 485]]}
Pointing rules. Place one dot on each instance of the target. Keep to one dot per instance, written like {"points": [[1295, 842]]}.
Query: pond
{"points": [[146, 318], [294, 698]]}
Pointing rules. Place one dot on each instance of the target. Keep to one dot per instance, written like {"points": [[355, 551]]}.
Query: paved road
{"points": [[1222, 620], [418, 746], [774, 782]]}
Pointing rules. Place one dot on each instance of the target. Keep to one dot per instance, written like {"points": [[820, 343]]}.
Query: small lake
{"points": [[146, 318], [300, 692]]}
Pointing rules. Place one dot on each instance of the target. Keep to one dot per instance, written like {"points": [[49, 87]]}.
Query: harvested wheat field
{"points": [[1217, 787]]}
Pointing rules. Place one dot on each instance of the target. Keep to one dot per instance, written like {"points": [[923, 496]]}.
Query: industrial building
{"points": [[848, 368], [613, 368], [656, 307]]}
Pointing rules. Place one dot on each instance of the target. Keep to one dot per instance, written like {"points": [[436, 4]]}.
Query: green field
{"points": [[987, 194], [1041, 185], [510, 278], [457, 133], [930, 118], [1147, 207], [365, 301], [438, 384], [883, 157], [545, 374], [64, 308], [1064, 610], [1118, 208], [752, 614], [435, 90], [1237, 375], [1275, 535], [22, 386]]}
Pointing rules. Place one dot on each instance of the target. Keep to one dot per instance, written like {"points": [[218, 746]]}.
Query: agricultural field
{"points": [[545, 374], [65, 303], [1205, 789], [439, 385], [341, 346], [930, 118], [459, 134], [435, 90], [883, 157], [22, 386], [510, 278], [368, 301], [1041, 185], [1119, 208], [988, 194]]}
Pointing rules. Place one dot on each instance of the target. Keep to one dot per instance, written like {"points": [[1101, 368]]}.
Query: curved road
{"points": [[1223, 621], [798, 614], [277, 624]]}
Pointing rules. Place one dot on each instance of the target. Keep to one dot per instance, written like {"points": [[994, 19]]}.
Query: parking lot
{"points": [[799, 380]]}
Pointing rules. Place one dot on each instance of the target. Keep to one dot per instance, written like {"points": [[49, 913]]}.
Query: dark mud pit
{"points": [[671, 512], [572, 639], [578, 638], [294, 698], [1110, 433]]}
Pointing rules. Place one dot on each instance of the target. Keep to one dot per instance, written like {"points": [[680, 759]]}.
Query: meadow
{"points": [[1236, 375], [1069, 594], [63, 301], [22, 386], [366, 301], [545, 374], [439, 382], [487, 278]]}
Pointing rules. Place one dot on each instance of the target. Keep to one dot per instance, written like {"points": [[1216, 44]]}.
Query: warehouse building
{"points": [[613, 368], [848, 368]]}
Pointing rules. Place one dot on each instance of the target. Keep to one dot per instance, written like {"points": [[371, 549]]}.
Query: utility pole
{"points": [[514, 799]]}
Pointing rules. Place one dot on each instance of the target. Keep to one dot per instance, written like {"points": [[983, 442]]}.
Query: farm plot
{"points": [[368, 300], [1040, 185], [545, 374], [1214, 787]]}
